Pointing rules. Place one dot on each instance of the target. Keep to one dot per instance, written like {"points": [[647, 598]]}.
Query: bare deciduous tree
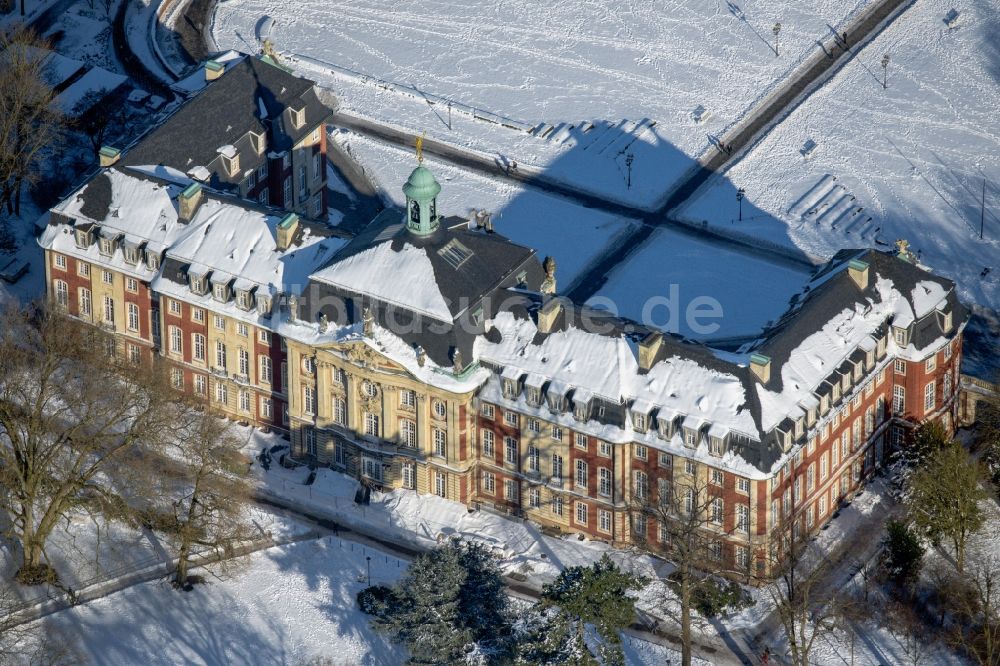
{"points": [[806, 604], [29, 119], [692, 523], [74, 416], [202, 492], [972, 598]]}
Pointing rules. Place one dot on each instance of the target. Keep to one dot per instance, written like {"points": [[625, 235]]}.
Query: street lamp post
{"points": [[368, 559], [628, 164], [740, 193], [776, 30], [885, 71]]}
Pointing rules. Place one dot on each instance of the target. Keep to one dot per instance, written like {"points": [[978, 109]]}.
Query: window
{"points": [[489, 482], [581, 474], [440, 442], [717, 510], [688, 501], [900, 367], [557, 433], [534, 498], [822, 505], [221, 392], [59, 261], [486, 410], [244, 362], [898, 399], [198, 345], [742, 557], [689, 438], [199, 384], [220, 355], [581, 513], [900, 336], [665, 460], [869, 421], [640, 452], [266, 408], [197, 314], [131, 284], [581, 441], [604, 521], [220, 322], [743, 485], [409, 478], [510, 418], [242, 329], [303, 183], [639, 421], [532, 458], [510, 490], [533, 425], [929, 396], [716, 550], [408, 399], [946, 388], [286, 191], [133, 316], [251, 180], [440, 484], [810, 478], [717, 477], [106, 247], [340, 378], [371, 424], [489, 450], [946, 351], [690, 467], [176, 340], [510, 450], [175, 307], [640, 485], [309, 400], [176, 378], [62, 293], [107, 277], [604, 481], [440, 409], [823, 466], [339, 411], [557, 506], [86, 305], [317, 165], [220, 292], [557, 467], [83, 270], [931, 363], [265, 368], [244, 401]]}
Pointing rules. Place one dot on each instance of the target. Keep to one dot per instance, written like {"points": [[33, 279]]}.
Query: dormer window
{"points": [[664, 428], [946, 322], [263, 304], [715, 446], [152, 260], [82, 239], [836, 392], [220, 293], [132, 255], [258, 141], [244, 300], [689, 438], [900, 336], [534, 396], [107, 247], [581, 410], [799, 427], [298, 117], [230, 159], [556, 402], [198, 284], [870, 359], [510, 388], [639, 421]]}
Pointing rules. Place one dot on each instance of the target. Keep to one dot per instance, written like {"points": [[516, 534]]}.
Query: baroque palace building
{"points": [[432, 354]]}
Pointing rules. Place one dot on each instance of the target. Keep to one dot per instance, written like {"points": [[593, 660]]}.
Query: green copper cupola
{"points": [[421, 190]]}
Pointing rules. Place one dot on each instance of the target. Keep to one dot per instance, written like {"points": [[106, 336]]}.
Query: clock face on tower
{"points": [[414, 212]]}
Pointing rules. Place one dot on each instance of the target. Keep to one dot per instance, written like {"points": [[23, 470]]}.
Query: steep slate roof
{"points": [[224, 113]]}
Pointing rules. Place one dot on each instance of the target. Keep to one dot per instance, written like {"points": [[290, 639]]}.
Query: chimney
{"points": [[858, 270], [648, 349], [108, 155], [286, 231], [760, 365], [188, 202], [213, 70], [547, 314]]}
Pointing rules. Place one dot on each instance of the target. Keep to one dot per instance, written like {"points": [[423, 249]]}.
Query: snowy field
{"points": [[550, 64], [286, 605], [551, 225], [675, 272], [908, 161]]}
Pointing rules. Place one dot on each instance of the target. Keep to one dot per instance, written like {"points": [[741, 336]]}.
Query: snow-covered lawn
{"points": [[550, 64], [283, 606], [908, 161], [551, 225], [750, 290]]}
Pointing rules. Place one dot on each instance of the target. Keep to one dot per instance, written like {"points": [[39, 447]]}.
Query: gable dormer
{"points": [[581, 405], [640, 413], [198, 280], [665, 423], [555, 396], [297, 117], [511, 383], [108, 242], [244, 299], [533, 389], [220, 288], [230, 159], [717, 439], [84, 235]]}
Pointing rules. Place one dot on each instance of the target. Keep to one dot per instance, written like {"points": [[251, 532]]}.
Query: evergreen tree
{"points": [[547, 637], [596, 595], [944, 498], [903, 552], [451, 601]]}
